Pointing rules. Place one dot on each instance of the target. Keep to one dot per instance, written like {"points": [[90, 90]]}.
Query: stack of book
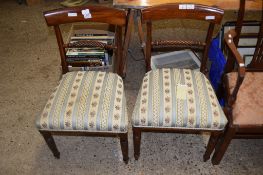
{"points": [[90, 57]]}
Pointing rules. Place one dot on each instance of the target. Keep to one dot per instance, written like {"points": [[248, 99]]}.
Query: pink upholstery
{"points": [[248, 108]]}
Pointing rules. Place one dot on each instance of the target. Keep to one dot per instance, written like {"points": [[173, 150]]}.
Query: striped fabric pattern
{"points": [[177, 98], [86, 101]]}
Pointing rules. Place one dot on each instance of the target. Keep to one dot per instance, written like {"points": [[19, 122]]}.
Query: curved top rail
{"points": [[75, 14], [183, 11]]}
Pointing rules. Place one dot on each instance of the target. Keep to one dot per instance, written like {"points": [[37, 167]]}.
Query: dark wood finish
{"points": [[172, 11], [235, 131], [128, 32], [140, 32], [51, 143], [241, 12], [148, 45], [257, 61], [137, 142], [99, 14], [124, 146], [211, 145], [240, 17], [48, 136]]}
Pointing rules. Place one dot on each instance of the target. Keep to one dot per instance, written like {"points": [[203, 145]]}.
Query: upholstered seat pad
{"points": [[86, 100], [178, 98], [248, 107]]}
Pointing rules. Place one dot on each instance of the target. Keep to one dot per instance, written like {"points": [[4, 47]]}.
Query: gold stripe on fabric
{"points": [[94, 102], [156, 99], [215, 120], [86, 90], [68, 113], [118, 107], [44, 120], [107, 95], [64, 91], [180, 103], [143, 110], [202, 100], [176, 81], [191, 101], [167, 101]]}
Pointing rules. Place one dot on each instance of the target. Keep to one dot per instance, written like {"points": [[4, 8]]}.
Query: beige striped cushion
{"points": [[88, 101], [178, 98]]}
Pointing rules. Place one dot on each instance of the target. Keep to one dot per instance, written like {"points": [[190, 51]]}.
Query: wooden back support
{"points": [[181, 11], [99, 14], [257, 60]]}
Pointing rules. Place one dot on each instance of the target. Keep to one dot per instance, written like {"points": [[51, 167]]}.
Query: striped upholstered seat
{"points": [[86, 101], [177, 98]]}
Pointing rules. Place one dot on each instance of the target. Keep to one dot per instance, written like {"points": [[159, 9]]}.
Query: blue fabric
{"points": [[218, 63]]}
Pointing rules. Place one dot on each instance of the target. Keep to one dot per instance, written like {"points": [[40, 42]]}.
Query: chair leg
{"points": [[222, 145], [211, 145], [136, 142], [124, 147], [51, 143]]}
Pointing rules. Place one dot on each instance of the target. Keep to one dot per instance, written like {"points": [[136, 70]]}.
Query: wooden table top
{"points": [[223, 4]]}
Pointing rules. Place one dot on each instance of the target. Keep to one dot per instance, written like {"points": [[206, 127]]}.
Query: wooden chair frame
{"points": [[235, 59], [232, 130], [172, 11], [99, 14]]}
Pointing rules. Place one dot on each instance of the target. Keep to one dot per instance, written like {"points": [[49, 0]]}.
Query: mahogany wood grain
{"points": [[98, 14], [173, 11]]}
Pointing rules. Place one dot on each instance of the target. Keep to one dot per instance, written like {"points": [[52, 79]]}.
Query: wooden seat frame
{"points": [[235, 60], [102, 15], [172, 11]]}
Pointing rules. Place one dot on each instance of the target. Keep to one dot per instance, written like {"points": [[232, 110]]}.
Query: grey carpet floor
{"points": [[29, 70]]}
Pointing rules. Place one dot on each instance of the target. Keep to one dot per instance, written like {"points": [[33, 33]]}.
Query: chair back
{"points": [[256, 63], [94, 14], [181, 11]]}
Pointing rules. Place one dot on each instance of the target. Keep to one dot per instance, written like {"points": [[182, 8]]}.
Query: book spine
{"points": [[84, 59], [90, 34], [92, 37], [85, 54]]}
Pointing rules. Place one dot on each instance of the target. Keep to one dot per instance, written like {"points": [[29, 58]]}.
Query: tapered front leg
{"points": [[222, 145], [136, 142], [51, 143], [211, 145], [124, 147]]}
